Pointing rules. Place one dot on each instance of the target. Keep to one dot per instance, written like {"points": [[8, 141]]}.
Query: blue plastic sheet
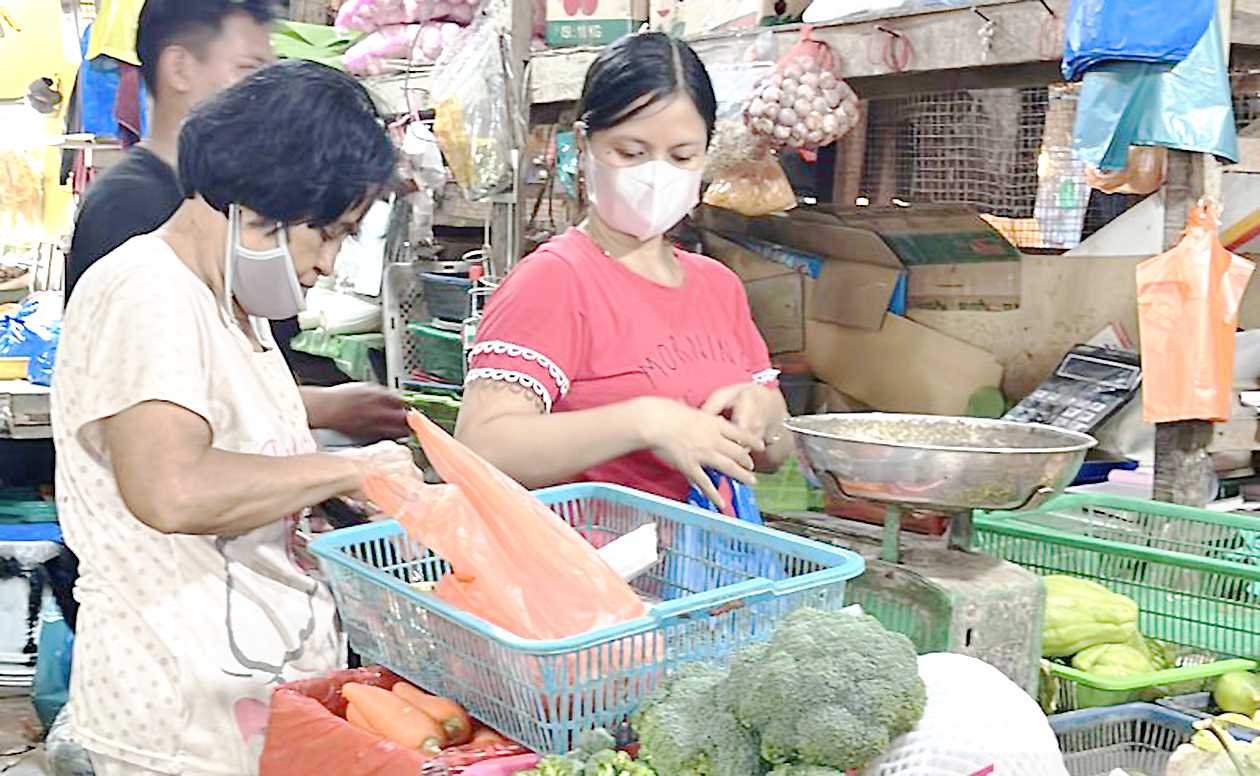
{"points": [[1162, 31], [32, 333], [1187, 106]]}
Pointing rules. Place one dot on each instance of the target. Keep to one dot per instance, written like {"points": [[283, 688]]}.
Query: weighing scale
{"points": [[944, 597]]}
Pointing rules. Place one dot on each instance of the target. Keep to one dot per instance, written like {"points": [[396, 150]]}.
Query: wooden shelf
{"points": [[1025, 33]]}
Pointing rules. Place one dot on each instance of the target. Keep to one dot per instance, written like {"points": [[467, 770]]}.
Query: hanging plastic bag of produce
{"points": [[803, 104], [1143, 173], [745, 175], [475, 115], [1188, 299], [514, 562]]}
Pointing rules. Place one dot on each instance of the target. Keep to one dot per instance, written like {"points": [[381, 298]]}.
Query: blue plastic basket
{"points": [[544, 693], [1136, 736]]}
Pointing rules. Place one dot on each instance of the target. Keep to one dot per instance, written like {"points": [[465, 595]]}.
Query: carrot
{"points": [[356, 718], [448, 713], [394, 718]]}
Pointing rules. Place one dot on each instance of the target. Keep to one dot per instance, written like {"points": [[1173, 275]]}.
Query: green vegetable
{"points": [[805, 770], [594, 741], [685, 731], [1081, 614], [1238, 692], [829, 689], [1109, 661]]}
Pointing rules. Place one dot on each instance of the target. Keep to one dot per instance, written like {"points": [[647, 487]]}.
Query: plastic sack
{"points": [[1131, 30], [514, 563], [745, 175], [1143, 174], [802, 104], [1188, 106], [307, 734], [1004, 735], [370, 15], [474, 121], [421, 44], [1188, 299]]}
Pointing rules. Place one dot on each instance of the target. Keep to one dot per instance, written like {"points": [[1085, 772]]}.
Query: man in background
{"points": [[190, 50]]}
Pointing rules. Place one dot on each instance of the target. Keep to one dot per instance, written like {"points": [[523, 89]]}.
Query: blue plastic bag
{"points": [[711, 562], [1187, 106], [28, 332], [1162, 31], [51, 687]]}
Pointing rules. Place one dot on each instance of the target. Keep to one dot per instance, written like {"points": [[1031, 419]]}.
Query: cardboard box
{"points": [[593, 22], [903, 367], [856, 278], [776, 294], [701, 16], [955, 259]]}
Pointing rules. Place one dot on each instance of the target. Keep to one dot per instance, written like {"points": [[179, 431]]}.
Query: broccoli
{"points": [[685, 731], [829, 689], [805, 770], [597, 740]]}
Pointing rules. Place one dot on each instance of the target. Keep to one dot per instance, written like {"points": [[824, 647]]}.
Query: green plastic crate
{"points": [[440, 353], [1190, 571]]}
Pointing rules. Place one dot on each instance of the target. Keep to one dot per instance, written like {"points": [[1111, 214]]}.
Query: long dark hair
{"points": [[638, 71]]}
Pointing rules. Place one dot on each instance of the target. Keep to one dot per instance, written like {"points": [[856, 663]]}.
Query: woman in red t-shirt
{"points": [[609, 355]]}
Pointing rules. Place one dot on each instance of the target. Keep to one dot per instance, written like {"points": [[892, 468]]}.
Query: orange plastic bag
{"points": [[514, 562], [1188, 299], [307, 734]]}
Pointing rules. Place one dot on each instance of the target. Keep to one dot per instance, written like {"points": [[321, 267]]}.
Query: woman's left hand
{"points": [[756, 409]]}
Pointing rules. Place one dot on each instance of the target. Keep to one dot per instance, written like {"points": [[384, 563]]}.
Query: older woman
{"points": [[183, 448]]}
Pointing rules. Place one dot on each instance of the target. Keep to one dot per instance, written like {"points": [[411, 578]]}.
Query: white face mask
{"points": [[264, 283], [644, 201]]}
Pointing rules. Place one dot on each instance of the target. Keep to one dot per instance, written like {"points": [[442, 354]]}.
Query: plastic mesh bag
{"points": [[802, 104], [474, 110], [1188, 299], [745, 175]]}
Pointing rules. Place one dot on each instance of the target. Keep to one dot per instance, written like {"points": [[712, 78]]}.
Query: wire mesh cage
{"points": [[1007, 152]]}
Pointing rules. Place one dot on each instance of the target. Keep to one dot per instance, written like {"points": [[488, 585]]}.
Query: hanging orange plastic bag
{"points": [[1188, 299], [514, 562]]}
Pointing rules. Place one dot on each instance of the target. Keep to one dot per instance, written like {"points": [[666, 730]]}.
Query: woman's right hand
{"points": [[690, 441]]}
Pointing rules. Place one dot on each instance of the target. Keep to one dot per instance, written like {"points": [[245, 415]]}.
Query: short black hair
{"points": [[637, 71], [296, 142], [188, 23]]}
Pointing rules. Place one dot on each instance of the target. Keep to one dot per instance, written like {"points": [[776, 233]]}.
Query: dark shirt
{"points": [[132, 198]]}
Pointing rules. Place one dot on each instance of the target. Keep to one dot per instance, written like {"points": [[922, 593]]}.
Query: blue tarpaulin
{"points": [[1162, 31]]}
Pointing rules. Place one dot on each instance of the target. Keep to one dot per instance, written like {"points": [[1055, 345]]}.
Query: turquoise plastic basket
{"points": [[544, 693]]}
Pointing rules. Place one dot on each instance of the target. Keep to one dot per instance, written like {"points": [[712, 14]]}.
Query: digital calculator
{"points": [[1089, 386]]}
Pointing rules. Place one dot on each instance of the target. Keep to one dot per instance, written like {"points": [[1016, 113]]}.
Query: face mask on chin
{"points": [[644, 201], [264, 283]]}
